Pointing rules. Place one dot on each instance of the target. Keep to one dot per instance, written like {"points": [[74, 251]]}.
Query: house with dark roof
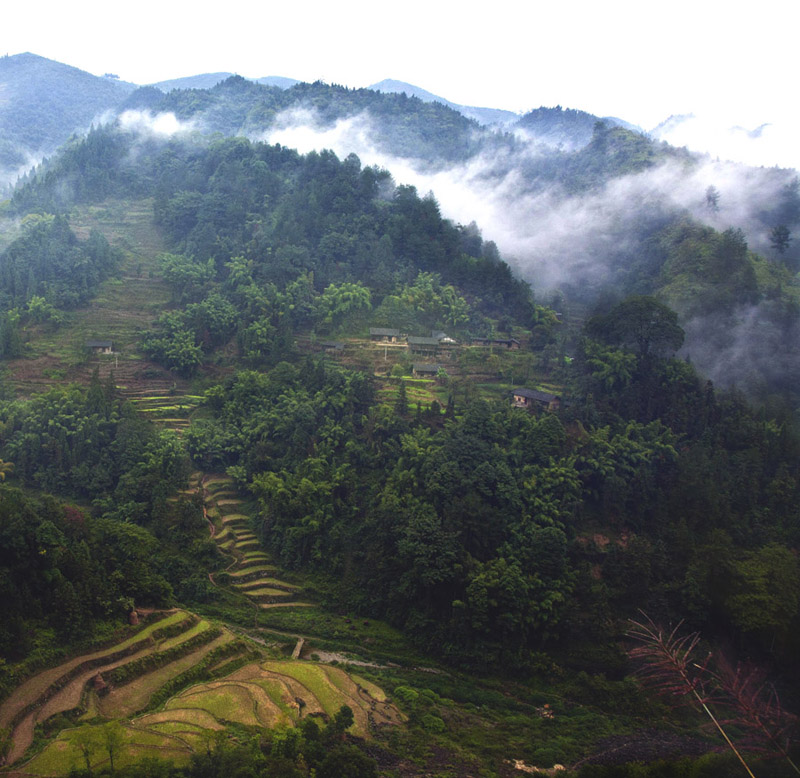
{"points": [[425, 370], [535, 398], [384, 334], [422, 345], [332, 346], [100, 346], [443, 337]]}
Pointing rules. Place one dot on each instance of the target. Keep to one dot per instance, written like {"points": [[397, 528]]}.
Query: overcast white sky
{"points": [[636, 60]]}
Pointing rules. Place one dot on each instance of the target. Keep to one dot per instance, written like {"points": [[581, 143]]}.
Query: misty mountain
{"points": [[486, 116], [565, 127], [403, 126], [280, 81], [573, 202], [44, 102], [200, 81], [209, 80]]}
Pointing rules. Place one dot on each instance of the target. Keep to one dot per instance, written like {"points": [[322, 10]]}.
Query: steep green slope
{"points": [[44, 102]]}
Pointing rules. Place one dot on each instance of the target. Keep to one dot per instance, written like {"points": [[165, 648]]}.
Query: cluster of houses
{"points": [[437, 338], [529, 399], [438, 341]]}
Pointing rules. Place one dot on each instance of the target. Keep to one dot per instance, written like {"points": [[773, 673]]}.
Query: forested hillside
{"points": [[376, 437]]}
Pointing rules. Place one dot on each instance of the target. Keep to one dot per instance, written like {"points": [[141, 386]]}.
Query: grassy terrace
{"points": [[254, 579], [258, 694], [62, 689], [34, 687]]}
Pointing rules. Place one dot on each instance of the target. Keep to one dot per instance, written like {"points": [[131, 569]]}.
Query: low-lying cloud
{"points": [[769, 144], [551, 238], [161, 125], [554, 239]]}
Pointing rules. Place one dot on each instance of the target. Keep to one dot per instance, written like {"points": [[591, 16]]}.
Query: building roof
{"points": [[415, 341], [387, 331], [535, 394], [425, 367], [98, 344]]}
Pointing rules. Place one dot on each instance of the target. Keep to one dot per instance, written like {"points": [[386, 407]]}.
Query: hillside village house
{"points": [[443, 337], [534, 398], [422, 345], [332, 346], [100, 346], [425, 370], [384, 334]]}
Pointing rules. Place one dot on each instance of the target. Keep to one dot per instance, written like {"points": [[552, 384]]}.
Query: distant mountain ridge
{"points": [[42, 102], [210, 80], [486, 116]]}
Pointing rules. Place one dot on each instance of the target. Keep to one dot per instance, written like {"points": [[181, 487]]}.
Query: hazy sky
{"points": [[636, 60]]}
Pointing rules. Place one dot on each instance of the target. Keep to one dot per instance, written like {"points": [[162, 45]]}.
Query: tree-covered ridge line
{"points": [[267, 242], [289, 213], [408, 126]]}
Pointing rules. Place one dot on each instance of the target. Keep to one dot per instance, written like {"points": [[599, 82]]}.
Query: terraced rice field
{"points": [[126, 700], [158, 666], [171, 410], [251, 569], [135, 667], [258, 694]]}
